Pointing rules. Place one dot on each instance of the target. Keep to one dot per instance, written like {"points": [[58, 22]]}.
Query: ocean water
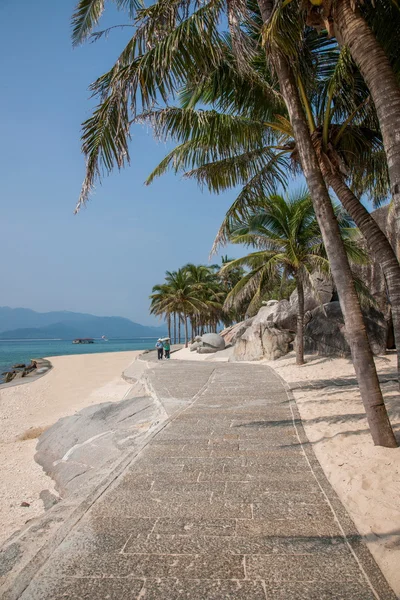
{"points": [[21, 351]]}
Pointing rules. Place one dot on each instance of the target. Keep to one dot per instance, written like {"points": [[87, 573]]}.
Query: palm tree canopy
{"points": [[288, 242]]}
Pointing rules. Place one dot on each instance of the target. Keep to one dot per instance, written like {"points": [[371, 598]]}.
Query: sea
{"points": [[21, 351]]}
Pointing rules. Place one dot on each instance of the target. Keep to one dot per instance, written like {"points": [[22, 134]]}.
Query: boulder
{"points": [[283, 314], [206, 350], [208, 343], [266, 314], [232, 334], [262, 341], [276, 342], [324, 333], [372, 274], [319, 292], [214, 340], [9, 376]]}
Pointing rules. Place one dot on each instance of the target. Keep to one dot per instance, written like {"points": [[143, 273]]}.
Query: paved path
{"points": [[226, 501]]}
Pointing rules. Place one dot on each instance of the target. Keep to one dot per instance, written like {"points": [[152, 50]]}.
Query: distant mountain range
{"points": [[23, 323]]}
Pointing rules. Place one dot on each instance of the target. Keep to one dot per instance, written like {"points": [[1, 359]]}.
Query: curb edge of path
{"points": [[378, 583]]}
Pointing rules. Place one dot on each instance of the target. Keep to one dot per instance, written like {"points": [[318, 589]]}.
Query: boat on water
{"points": [[83, 341], [103, 337]]}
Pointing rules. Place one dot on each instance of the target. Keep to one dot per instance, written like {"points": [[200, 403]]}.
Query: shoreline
{"points": [[43, 363], [75, 382]]}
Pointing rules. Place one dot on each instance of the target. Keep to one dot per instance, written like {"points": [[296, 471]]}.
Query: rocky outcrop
{"points": [[262, 341], [18, 371], [78, 449], [324, 333], [372, 274], [232, 334], [283, 314], [271, 332]]}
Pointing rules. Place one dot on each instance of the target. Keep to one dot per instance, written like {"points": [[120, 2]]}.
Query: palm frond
{"points": [[228, 133], [88, 12], [260, 171], [86, 16], [105, 142], [145, 74]]}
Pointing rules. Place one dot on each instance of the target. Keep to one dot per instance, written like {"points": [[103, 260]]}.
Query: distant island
{"points": [[24, 323]]}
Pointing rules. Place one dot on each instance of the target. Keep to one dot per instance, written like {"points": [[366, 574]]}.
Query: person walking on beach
{"points": [[167, 347], [160, 349]]}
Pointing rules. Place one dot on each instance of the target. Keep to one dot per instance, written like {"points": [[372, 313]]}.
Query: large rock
{"points": [[262, 341], [214, 340], [283, 314], [233, 333], [208, 343], [78, 450], [324, 333], [371, 274], [318, 291]]}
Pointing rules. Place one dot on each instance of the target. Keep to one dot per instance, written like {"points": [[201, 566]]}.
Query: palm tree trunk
{"points": [[179, 328], [378, 245], [169, 325], [186, 330], [174, 327], [300, 323], [364, 365], [378, 74]]}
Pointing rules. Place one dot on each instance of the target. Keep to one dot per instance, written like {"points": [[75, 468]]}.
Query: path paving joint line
{"points": [[227, 501]]}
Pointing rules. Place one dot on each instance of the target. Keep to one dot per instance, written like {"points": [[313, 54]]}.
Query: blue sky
{"points": [[106, 259]]}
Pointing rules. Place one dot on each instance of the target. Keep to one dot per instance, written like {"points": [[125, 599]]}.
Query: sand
{"points": [[26, 410], [365, 477], [185, 354]]}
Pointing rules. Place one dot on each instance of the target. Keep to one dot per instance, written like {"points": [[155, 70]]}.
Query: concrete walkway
{"points": [[226, 501]]}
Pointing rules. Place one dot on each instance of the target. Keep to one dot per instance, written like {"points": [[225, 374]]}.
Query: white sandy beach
{"points": [[75, 382]]}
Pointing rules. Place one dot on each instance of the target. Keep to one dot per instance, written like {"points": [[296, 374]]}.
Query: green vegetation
{"points": [[281, 97], [195, 294]]}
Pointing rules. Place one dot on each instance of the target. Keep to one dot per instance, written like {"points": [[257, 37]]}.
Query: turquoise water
{"points": [[21, 351]]}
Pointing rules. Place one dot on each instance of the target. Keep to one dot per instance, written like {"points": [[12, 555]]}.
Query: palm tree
{"points": [[345, 18], [288, 242], [184, 299], [345, 136], [161, 302], [206, 287], [174, 42]]}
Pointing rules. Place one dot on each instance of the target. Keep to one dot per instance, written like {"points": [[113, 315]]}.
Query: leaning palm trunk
{"points": [[300, 322], [364, 365], [379, 76], [378, 245]]}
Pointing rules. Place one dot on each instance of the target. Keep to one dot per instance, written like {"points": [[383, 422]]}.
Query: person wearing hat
{"points": [[160, 349], [167, 347]]}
